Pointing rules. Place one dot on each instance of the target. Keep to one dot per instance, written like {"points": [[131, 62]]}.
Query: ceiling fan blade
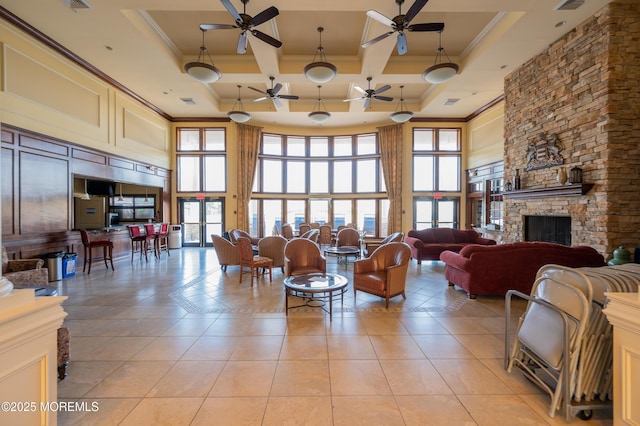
{"points": [[276, 89], [266, 38], [402, 43], [261, 99], [377, 39], [383, 98], [353, 99], [276, 102], [206, 27], [360, 89], [415, 8], [374, 14], [382, 89], [265, 15], [292, 97], [431, 26], [258, 90], [242, 42], [367, 102], [232, 10]]}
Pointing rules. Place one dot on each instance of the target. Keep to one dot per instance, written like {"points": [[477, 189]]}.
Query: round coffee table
{"points": [[343, 252], [314, 289]]}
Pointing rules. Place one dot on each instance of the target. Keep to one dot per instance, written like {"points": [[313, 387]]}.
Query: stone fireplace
{"points": [[583, 91], [550, 229]]}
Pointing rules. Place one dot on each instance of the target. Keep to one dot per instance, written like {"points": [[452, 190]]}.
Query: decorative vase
{"points": [[561, 176], [620, 256]]}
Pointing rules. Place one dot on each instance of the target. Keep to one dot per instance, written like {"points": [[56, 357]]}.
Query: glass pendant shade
{"points": [[319, 116], [200, 70], [239, 115], [85, 196], [440, 71], [320, 71], [402, 114]]}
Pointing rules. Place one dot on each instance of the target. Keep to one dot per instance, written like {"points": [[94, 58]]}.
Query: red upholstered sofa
{"points": [[427, 244], [493, 270]]}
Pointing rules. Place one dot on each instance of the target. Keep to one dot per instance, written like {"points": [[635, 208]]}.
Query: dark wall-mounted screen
{"points": [[101, 187]]}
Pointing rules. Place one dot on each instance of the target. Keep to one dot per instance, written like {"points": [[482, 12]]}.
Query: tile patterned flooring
{"points": [[176, 341]]}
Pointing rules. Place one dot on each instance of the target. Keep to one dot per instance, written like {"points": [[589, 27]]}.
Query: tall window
{"points": [[328, 179], [437, 163], [201, 160]]}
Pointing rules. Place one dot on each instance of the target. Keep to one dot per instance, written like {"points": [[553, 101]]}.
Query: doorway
{"points": [[432, 212], [200, 218]]}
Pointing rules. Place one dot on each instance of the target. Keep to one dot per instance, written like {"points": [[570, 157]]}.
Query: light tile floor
{"points": [[176, 341]]}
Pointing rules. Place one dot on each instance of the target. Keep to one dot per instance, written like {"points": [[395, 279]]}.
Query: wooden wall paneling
{"points": [[7, 191], [44, 193]]}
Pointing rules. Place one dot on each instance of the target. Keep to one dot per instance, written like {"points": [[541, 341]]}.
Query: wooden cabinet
{"points": [[485, 204]]}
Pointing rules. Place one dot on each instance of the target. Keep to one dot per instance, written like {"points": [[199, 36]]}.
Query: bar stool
{"points": [[138, 241], [107, 250], [152, 236], [163, 238]]}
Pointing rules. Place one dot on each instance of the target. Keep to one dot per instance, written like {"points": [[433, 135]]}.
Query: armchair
{"points": [[396, 237], [383, 274], [273, 248], [24, 272], [348, 237], [302, 256], [234, 234], [227, 252]]}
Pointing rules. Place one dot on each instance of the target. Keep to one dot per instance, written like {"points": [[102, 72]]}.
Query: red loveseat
{"points": [[496, 269], [427, 244]]}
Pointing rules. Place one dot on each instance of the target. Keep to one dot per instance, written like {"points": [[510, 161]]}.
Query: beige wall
{"points": [[46, 93]]}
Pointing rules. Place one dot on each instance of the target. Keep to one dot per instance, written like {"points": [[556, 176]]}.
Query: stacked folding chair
{"points": [[564, 347]]}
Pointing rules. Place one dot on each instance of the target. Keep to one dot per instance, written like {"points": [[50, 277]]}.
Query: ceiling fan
{"points": [[273, 94], [369, 94], [246, 23], [401, 23]]}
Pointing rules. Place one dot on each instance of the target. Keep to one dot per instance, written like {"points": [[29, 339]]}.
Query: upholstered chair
{"points": [[302, 256], [287, 231], [324, 239], [138, 241], [383, 274], [234, 234], [227, 252], [312, 235], [304, 227], [273, 248], [256, 264], [348, 237], [314, 225], [24, 272], [396, 237], [89, 245]]}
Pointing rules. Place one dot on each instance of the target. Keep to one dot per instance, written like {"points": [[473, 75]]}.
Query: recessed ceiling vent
{"points": [[188, 101], [76, 4], [451, 101], [570, 4]]}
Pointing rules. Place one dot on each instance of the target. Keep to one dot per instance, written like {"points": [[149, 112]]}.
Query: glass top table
{"points": [[343, 252], [314, 289]]}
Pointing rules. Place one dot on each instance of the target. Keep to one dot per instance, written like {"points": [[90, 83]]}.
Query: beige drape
{"points": [[248, 148], [390, 142]]}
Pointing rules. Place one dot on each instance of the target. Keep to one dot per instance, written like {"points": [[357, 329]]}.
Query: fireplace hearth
{"points": [[550, 229]]}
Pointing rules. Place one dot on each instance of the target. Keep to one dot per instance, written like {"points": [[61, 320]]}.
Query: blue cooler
{"points": [[69, 265]]}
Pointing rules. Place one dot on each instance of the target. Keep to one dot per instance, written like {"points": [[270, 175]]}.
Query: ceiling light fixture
{"points": [[120, 198], [202, 71], [319, 114], [440, 71], [86, 195], [239, 115], [320, 71], [146, 194], [402, 114]]}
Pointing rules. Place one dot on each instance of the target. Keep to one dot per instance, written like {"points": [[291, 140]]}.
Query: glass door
{"points": [[200, 218], [436, 212]]}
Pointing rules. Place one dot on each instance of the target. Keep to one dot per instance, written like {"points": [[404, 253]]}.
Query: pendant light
{"points": [[319, 114], [320, 71], [202, 71], [239, 115], [120, 198], [146, 194], [402, 114], [440, 71], [86, 195]]}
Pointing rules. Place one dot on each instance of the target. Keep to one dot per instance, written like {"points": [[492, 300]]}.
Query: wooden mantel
{"points": [[550, 191]]}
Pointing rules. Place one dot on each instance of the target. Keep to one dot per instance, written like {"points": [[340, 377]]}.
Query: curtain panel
{"points": [[390, 142], [248, 149]]}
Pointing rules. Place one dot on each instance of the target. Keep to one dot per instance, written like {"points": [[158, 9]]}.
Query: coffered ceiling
{"points": [[144, 44]]}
